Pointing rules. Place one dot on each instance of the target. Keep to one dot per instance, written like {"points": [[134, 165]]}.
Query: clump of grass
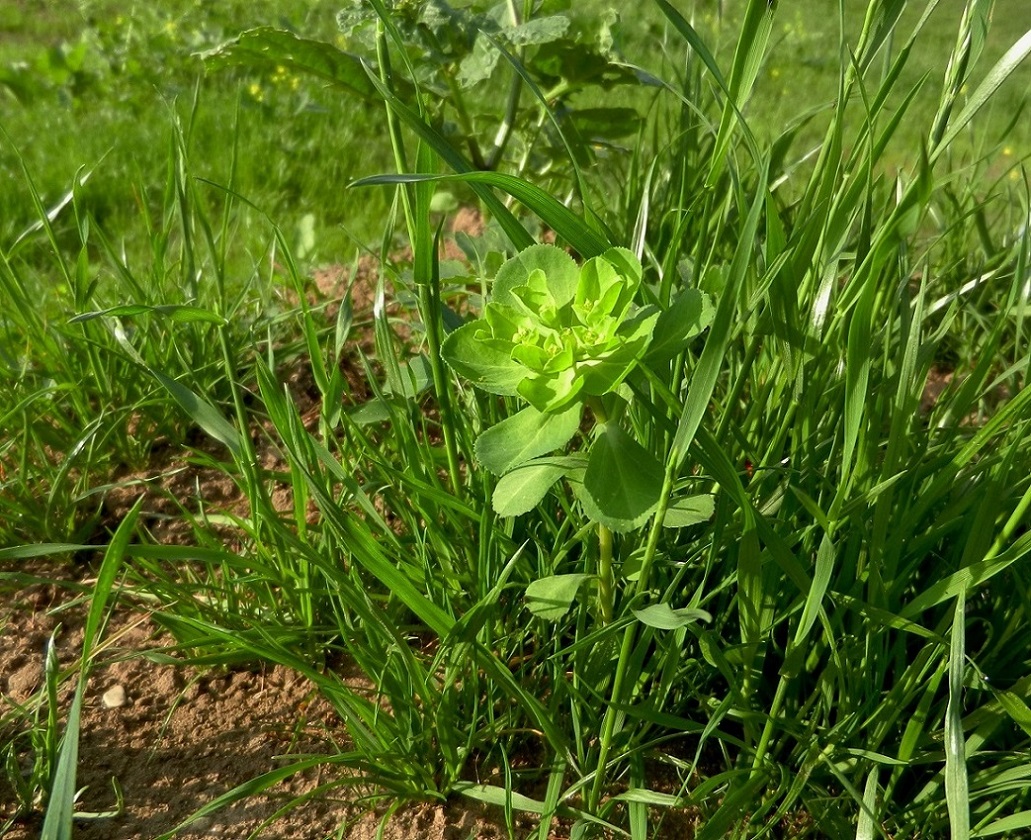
{"points": [[843, 471]]}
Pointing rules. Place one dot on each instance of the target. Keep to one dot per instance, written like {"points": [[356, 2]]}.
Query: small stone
{"points": [[113, 698]]}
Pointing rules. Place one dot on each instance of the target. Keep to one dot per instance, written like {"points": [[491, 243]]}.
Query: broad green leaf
{"points": [[693, 510], [492, 370], [551, 597], [523, 436], [689, 315], [540, 30], [559, 268], [523, 488], [664, 617], [623, 481], [266, 47], [626, 264], [478, 65]]}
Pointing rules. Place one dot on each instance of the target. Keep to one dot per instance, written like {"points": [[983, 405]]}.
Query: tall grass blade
{"points": [[984, 92], [573, 229], [957, 794], [57, 824]]}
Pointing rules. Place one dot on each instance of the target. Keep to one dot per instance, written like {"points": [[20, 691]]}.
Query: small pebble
{"points": [[113, 698]]}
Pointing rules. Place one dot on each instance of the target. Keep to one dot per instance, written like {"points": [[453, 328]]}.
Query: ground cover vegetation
{"points": [[695, 483]]}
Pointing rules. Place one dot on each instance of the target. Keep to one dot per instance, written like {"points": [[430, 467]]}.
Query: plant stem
{"points": [[512, 106], [393, 128], [606, 584], [429, 303], [608, 724]]}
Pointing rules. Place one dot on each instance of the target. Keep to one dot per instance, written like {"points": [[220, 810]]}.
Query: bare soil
{"points": [[186, 736]]}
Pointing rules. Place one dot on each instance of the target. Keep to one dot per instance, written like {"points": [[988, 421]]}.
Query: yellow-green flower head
{"points": [[555, 332]]}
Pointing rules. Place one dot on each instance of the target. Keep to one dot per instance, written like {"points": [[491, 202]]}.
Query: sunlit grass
{"points": [[856, 413]]}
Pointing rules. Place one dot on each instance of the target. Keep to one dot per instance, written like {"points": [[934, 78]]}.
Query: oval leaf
{"points": [[522, 489], [664, 617], [550, 598], [689, 511], [689, 315], [560, 269], [623, 481], [523, 436], [492, 370]]}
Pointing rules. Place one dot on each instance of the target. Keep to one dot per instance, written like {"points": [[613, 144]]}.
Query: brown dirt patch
{"points": [[186, 736]]}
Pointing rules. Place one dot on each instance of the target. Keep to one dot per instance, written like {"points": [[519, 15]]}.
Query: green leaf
{"points": [[664, 617], [179, 313], [266, 47], [1006, 825], [479, 65], [608, 123], [1016, 708], [502, 797], [693, 510], [551, 597], [523, 488], [689, 315], [57, 824], [623, 481], [486, 367], [560, 269], [957, 796], [410, 379], [570, 227], [523, 436], [542, 30], [203, 413], [991, 83]]}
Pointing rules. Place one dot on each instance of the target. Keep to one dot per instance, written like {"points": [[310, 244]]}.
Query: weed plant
{"points": [[747, 542]]}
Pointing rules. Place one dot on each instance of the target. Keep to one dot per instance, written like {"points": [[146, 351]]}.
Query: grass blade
{"points": [[57, 825], [957, 794]]}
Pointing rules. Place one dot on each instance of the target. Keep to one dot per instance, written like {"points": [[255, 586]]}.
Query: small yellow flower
{"points": [[256, 92]]}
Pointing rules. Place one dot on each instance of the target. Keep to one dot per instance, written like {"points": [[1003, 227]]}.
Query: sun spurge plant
{"points": [[554, 333], [564, 336]]}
